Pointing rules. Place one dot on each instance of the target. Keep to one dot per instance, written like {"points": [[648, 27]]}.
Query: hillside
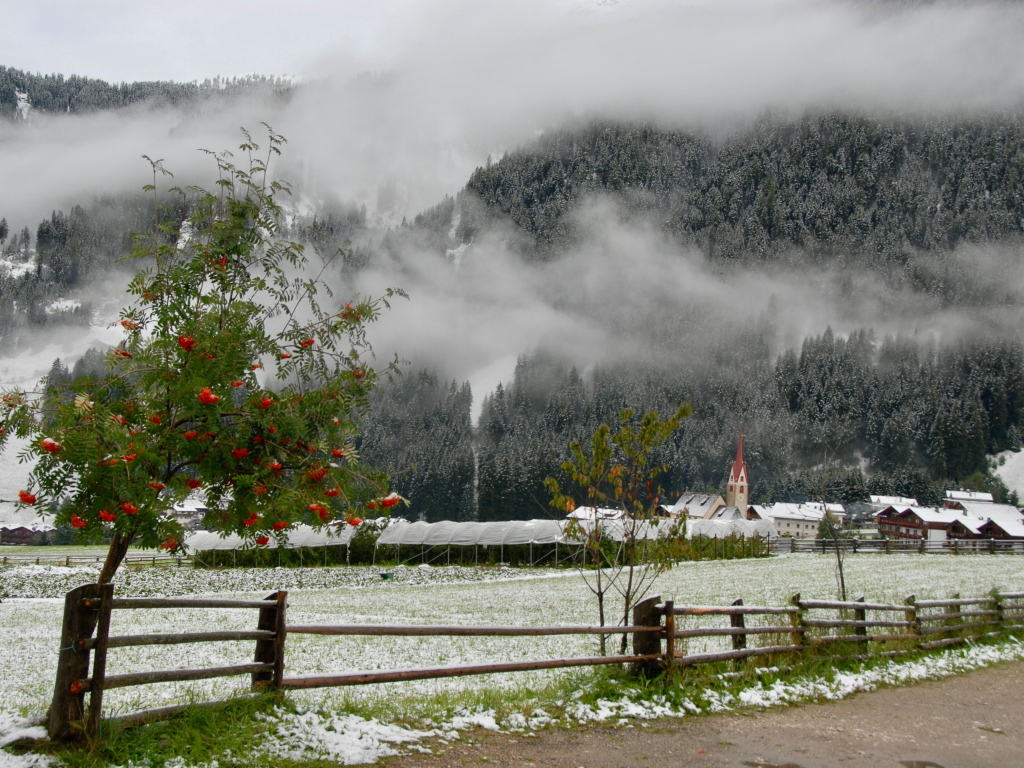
{"points": [[900, 233], [22, 93], [828, 185]]}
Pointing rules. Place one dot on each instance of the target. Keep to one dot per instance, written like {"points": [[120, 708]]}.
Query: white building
{"points": [[797, 520]]}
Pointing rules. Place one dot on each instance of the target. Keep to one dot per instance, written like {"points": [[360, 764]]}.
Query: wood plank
{"points": [[850, 605], [730, 610], [955, 615], [853, 623], [128, 641], [941, 643], [952, 601], [862, 638], [178, 675], [958, 627], [716, 631], [706, 658], [426, 673], [178, 602], [394, 630], [99, 660], [68, 706]]}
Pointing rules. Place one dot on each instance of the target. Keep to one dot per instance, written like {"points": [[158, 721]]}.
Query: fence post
{"points": [[271, 651], [99, 660], [68, 706], [954, 622], [670, 634], [739, 641], [859, 614], [887, 550], [798, 634], [647, 614], [991, 546], [997, 606], [911, 612]]}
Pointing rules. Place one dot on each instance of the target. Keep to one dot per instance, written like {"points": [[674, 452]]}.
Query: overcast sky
{"points": [[469, 79], [121, 40], [124, 40]]}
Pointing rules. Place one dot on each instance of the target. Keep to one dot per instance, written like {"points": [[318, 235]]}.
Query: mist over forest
{"points": [[820, 238]]}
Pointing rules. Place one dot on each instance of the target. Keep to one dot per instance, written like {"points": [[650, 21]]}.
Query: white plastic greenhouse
{"points": [[446, 533]]}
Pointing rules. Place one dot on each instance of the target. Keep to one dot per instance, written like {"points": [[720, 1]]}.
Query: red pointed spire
{"points": [[739, 467]]}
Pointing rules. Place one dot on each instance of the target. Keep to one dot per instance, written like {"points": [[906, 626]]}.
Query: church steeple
{"points": [[738, 494]]}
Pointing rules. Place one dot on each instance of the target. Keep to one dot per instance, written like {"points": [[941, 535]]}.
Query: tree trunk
{"points": [[118, 549]]}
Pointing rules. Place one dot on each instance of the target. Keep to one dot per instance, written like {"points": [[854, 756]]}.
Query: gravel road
{"points": [[966, 721]]}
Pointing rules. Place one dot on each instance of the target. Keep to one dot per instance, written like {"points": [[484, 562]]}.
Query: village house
{"points": [[964, 515], [899, 522], [878, 503], [695, 505], [797, 520], [23, 526]]}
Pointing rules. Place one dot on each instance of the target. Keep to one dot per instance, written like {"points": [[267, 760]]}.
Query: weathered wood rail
{"points": [[88, 609], [659, 641], [69, 560]]}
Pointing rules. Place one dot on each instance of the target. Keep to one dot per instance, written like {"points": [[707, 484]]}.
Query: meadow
{"points": [[31, 607]]}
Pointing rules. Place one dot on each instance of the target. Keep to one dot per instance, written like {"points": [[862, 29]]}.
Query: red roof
{"points": [[739, 467]]}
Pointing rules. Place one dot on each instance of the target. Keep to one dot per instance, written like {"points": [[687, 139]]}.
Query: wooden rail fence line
{"points": [[658, 632], [69, 560], [785, 544]]}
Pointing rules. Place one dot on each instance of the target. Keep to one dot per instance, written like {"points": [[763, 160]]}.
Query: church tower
{"points": [[738, 494]]}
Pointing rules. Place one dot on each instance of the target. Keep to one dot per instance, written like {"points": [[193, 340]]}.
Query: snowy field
{"points": [[29, 624]]}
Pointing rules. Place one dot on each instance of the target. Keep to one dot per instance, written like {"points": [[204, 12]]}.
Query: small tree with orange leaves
{"points": [[626, 553]]}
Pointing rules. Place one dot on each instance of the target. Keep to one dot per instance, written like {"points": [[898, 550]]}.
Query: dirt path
{"points": [[965, 721]]}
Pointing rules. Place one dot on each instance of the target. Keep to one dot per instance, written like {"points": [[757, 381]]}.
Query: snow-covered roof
{"points": [[726, 513], [969, 496], [986, 510], [973, 524], [721, 529], [11, 517], [1012, 528], [590, 513], [811, 510], [933, 514], [696, 504], [299, 536], [893, 501]]}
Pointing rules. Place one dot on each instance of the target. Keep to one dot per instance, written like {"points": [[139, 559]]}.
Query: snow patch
{"points": [[347, 739], [1009, 467], [63, 305]]}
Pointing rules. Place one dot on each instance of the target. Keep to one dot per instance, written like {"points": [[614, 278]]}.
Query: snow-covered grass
{"points": [[29, 626]]}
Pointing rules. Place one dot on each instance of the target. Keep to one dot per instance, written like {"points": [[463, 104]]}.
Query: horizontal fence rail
{"points": [[426, 673], [69, 560], [661, 635], [447, 631]]}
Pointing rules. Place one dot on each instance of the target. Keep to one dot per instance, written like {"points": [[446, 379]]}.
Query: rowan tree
{"points": [[203, 394]]}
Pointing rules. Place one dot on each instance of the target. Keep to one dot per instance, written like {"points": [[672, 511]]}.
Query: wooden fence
{"points": [[69, 560], [661, 634], [889, 546]]}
